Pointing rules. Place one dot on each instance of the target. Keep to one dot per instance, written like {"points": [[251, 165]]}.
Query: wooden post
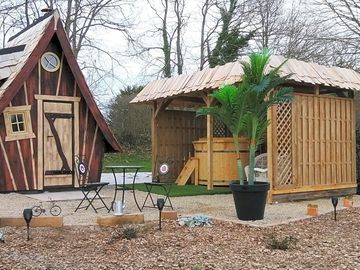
{"points": [[270, 150], [209, 139], [353, 139], [154, 145], [40, 153]]}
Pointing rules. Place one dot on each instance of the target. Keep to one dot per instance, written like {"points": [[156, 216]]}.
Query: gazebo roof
{"points": [[213, 78]]}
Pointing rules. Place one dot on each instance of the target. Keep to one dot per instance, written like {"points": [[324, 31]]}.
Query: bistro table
{"points": [[121, 186]]}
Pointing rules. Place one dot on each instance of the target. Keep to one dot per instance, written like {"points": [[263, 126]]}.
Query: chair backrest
{"points": [[261, 163], [81, 170]]}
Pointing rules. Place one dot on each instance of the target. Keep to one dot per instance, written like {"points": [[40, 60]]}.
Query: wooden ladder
{"points": [[192, 165]]}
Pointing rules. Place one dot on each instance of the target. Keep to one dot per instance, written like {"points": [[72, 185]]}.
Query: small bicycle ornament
{"points": [[54, 209]]}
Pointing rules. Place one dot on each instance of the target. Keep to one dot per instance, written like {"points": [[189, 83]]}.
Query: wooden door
{"points": [[58, 143]]}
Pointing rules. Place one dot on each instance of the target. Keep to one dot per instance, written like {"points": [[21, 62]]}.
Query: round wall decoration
{"points": [[82, 168], [50, 62], [164, 168]]}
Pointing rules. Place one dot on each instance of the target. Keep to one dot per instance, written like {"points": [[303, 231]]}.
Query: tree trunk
{"points": [[166, 44]]}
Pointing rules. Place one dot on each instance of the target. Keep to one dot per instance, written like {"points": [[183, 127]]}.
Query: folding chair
{"points": [[86, 187], [163, 170]]}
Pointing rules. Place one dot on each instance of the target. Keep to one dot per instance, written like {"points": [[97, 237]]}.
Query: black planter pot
{"points": [[250, 200]]}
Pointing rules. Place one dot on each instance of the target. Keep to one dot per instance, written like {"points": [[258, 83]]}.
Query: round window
{"points": [[50, 62]]}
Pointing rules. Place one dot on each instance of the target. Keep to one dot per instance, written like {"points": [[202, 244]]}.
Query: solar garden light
{"points": [[334, 201], [28, 216], [160, 205]]}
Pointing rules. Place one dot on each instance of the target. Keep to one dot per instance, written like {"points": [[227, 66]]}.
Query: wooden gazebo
{"points": [[310, 142]]}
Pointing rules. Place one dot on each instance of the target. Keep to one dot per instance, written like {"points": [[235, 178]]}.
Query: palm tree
{"points": [[263, 91], [243, 108]]}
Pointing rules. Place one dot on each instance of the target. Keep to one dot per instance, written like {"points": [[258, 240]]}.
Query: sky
{"points": [[133, 70]]}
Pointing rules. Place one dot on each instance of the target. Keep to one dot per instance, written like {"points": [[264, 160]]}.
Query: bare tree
{"points": [[206, 34], [179, 6], [166, 42], [347, 12], [268, 22], [165, 51], [342, 18]]}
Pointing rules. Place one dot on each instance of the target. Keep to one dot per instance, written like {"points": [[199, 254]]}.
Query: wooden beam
{"points": [[8, 164], [58, 98], [39, 77], [315, 188], [74, 94], [76, 135], [162, 105], [60, 73], [22, 164], [85, 132], [40, 153], [92, 151], [190, 99]]}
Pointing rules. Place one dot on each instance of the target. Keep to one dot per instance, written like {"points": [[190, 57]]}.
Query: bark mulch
{"points": [[321, 243]]}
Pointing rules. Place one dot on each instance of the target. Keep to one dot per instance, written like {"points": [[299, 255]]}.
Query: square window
{"points": [[18, 123]]}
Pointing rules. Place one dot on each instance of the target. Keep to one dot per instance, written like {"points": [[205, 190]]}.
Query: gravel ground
{"points": [[217, 206], [321, 243]]}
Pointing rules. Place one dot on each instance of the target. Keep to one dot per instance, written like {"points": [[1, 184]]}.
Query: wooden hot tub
{"points": [[224, 160]]}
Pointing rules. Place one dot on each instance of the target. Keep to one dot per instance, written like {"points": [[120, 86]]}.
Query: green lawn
{"points": [[144, 159], [140, 159], [187, 190]]}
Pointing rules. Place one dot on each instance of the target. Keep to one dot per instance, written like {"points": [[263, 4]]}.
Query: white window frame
{"points": [[50, 69], [18, 135]]}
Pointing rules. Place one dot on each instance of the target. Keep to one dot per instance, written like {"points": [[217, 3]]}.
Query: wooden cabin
{"points": [[47, 112], [310, 142]]}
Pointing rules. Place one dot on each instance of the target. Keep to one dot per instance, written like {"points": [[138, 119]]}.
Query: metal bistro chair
{"points": [[163, 170], [86, 187]]}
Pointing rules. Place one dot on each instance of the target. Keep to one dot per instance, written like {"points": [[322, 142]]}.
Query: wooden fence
{"points": [[312, 144]]}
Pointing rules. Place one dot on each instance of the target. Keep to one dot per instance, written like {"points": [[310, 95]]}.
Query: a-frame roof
{"points": [[21, 55]]}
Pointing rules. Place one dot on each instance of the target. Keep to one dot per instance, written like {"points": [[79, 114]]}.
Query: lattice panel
{"points": [[219, 129], [284, 168]]}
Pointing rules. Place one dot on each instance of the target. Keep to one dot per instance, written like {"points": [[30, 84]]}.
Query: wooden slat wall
{"points": [[323, 142], [176, 130]]}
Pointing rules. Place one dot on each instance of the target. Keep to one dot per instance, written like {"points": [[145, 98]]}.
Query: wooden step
{"points": [[192, 165]]}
